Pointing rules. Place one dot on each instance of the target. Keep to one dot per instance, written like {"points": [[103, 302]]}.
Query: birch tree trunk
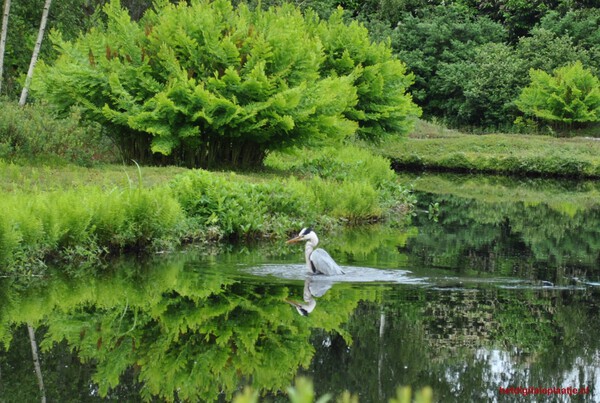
{"points": [[36, 52], [3, 38]]}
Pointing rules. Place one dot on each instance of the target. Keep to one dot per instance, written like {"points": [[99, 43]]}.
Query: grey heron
{"points": [[318, 260]]}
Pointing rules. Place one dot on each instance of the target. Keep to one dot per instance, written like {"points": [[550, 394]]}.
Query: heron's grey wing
{"points": [[324, 264], [318, 285]]}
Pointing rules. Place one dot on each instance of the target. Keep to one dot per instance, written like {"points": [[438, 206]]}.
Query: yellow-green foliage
{"points": [[571, 95], [352, 185], [46, 218], [349, 162], [352, 200], [347, 182], [40, 225], [204, 83], [235, 207]]}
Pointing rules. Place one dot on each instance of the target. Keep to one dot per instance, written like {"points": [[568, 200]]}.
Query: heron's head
{"points": [[303, 309], [306, 234]]}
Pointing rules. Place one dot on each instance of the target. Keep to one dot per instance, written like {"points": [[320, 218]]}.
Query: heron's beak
{"points": [[294, 240], [298, 307]]}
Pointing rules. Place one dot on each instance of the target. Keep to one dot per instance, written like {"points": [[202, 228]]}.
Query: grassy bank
{"points": [[565, 197], [436, 148], [77, 215]]}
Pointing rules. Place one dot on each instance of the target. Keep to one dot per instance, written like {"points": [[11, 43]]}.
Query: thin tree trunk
{"points": [[36, 362], [380, 361], [3, 38], [36, 52]]}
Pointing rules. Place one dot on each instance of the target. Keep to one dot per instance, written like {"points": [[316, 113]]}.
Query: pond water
{"points": [[496, 286]]}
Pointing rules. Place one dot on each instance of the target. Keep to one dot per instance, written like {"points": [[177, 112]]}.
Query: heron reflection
{"points": [[313, 287], [318, 260]]}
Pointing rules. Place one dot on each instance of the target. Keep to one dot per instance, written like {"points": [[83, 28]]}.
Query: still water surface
{"points": [[499, 288]]}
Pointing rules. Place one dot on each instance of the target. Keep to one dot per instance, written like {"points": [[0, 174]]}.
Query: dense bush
{"points": [[33, 134], [481, 90], [570, 96], [340, 164], [82, 223], [581, 25], [428, 35], [232, 207], [206, 83], [545, 50], [471, 60], [518, 16], [381, 81], [440, 36]]}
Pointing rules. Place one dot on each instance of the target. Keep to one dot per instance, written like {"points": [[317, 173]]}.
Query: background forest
{"points": [[471, 59]]}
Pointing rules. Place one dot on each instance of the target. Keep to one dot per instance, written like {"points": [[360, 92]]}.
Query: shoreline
{"points": [[503, 154]]}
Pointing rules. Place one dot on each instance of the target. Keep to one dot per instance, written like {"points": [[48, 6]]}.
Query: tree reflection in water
{"points": [[178, 331]]}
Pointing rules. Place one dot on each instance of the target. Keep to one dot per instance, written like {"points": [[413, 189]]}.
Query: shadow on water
{"points": [[501, 291]]}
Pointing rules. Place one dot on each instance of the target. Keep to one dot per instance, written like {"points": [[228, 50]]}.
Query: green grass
{"points": [[33, 178], [435, 148]]}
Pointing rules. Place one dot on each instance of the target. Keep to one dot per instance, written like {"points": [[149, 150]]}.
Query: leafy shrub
{"points": [[350, 183], [481, 90], [571, 95], [381, 80], [237, 208], [230, 206], [581, 25], [545, 50], [202, 84], [33, 133], [135, 218], [356, 201]]}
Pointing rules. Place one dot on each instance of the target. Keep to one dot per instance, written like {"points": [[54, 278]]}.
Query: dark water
{"points": [[497, 286]]}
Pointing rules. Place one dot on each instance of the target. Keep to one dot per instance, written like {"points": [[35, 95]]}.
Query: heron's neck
{"points": [[311, 244]]}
